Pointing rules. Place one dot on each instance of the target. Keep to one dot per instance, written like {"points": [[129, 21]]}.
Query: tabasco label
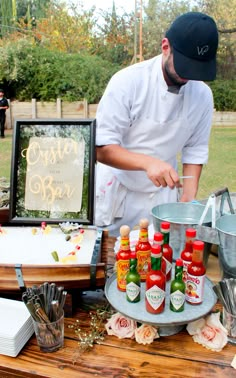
{"points": [[177, 299], [132, 291], [122, 270], [155, 296], [143, 263]]}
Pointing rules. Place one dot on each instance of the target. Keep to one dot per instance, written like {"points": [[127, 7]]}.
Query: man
{"points": [[149, 113], [3, 107]]}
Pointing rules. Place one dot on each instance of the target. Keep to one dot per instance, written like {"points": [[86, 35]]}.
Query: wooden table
{"points": [[172, 356]]}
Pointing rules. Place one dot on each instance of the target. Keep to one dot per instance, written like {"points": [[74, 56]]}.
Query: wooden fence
{"points": [[78, 109], [58, 109]]}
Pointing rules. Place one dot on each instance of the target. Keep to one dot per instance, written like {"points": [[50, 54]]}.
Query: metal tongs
{"points": [[210, 234]]}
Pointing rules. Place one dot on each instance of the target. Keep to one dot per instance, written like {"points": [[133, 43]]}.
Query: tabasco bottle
{"points": [[186, 254], [143, 250], [167, 251], [133, 280], [177, 288], [158, 238], [155, 283], [196, 275], [123, 257]]}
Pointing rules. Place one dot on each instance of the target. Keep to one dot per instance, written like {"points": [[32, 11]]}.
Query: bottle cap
{"points": [[191, 232], [165, 225], [198, 244], [156, 249], [124, 231], [158, 236], [179, 262], [144, 223]]}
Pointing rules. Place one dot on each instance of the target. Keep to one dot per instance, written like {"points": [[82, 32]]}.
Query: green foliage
{"points": [[35, 72], [224, 92]]}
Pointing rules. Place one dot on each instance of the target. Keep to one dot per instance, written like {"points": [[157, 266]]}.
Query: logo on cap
{"points": [[202, 50]]}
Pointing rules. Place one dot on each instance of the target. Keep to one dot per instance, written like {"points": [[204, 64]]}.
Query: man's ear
{"points": [[165, 46]]}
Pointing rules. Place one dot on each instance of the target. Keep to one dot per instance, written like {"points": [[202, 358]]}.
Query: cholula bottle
{"points": [[177, 288], [143, 250], [186, 254], [123, 257], [167, 250], [133, 280], [158, 238], [155, 283], [196, 275]]}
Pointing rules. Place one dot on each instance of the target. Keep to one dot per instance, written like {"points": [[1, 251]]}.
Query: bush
{"points": [[31, 71], [224, 93]]}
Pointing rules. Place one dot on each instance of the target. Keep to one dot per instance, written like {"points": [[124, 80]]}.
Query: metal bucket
{"points": [[226, 227], [181, 216]]}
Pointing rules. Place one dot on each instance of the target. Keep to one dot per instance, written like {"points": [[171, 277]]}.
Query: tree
{"points": [[6, 17], [158, 16], [114, 37]]}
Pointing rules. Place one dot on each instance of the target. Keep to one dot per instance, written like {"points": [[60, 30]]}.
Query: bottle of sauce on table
{"points": [[155, 283], [196, 275], [186, 254], [123, 258], [143, 250], [167, 253], [133, 280], [158, 238], [177, 288]]}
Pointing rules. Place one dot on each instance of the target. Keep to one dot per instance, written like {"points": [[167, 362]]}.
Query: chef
{"points": [[151, 113]]}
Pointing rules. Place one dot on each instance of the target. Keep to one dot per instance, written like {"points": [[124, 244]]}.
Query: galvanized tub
{"points": [[181, 216], [226, 227]]}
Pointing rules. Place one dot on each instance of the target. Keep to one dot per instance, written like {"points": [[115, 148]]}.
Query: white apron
{"points": [[123, 197]]}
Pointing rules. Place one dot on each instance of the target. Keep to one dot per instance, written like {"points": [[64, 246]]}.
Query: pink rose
{"points": [[209, 332], [145, 334], [120, 326]]}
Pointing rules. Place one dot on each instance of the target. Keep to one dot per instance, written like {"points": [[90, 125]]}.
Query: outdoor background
{"points": [[52, 49]]}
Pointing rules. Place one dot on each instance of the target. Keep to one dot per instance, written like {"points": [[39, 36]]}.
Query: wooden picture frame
{"points": [[52, 171]]}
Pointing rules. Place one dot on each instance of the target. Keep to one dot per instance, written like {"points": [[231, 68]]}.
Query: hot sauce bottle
{"points": [[158, 238], [133, 280], [155, 283], [186, 254], [167, 251], [177, 288], [196, 275], [123, 257], [143, 250]]}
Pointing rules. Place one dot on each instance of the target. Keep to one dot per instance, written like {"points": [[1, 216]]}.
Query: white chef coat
{"points": [[139, 113]]}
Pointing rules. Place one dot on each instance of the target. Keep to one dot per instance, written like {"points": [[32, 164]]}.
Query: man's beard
{"points": [[173, 78]]}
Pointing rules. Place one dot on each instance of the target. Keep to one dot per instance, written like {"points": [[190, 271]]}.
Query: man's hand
{"points": [[162, 174]]}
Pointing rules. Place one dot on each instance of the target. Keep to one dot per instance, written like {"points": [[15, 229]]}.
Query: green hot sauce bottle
{"points": [[177, 288], [133, 280]]}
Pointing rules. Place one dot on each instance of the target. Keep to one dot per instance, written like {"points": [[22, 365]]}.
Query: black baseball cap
{"points": [[194, 40]]}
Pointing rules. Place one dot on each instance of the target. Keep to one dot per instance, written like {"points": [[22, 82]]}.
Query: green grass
{"points": [[218, 173], [5, 155], [220, 170]]}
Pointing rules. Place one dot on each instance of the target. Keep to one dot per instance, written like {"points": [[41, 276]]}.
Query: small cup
{"points": [[229, 322], [50, 336]]}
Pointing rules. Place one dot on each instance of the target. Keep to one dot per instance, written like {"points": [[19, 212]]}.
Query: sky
{"points": [[121, 5]]}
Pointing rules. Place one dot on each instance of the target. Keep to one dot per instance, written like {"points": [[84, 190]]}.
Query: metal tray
{"points": [[168, 322]]}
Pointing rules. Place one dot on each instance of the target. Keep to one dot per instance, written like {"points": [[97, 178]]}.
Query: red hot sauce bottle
{"points": [[123, 258], [167, 253], [158, 238], [155, 283], [196, 275], [186, 254], [143, 250]]}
